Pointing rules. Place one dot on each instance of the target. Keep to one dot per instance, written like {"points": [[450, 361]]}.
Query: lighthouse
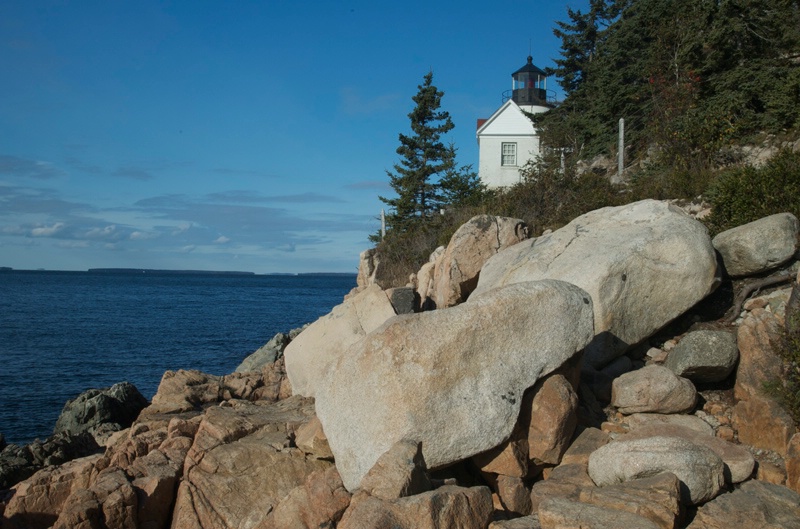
{"points": [[508, 139]]}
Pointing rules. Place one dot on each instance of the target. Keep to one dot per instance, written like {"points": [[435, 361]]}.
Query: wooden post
{"points": [[621, 149]]}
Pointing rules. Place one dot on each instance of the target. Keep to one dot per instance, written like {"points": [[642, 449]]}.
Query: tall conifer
{"points": [[423, 156]]}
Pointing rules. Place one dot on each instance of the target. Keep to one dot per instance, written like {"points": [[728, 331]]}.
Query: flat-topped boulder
{"points": [[653, 389], [452, 379], [759, 245], [700, 470], [643, 264]]}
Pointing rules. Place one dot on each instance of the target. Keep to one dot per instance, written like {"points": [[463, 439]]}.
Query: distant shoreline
{"points": [[139, 271]]}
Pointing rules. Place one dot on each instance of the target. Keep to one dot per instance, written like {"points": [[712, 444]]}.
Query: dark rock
{"points": [[704, 356], [16, 464], [403, 299], [120, 404], [20, 462]]}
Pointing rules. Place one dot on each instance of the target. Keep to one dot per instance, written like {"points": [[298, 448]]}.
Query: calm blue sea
{"points": [[62, 333]]}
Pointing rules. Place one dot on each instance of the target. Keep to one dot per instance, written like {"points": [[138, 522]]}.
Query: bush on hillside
{"points": [[787, 391], [549, 199], [663, 183], [745, 194], [402, 253]]}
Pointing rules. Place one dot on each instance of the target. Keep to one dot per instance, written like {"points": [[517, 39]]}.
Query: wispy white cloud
{"points": [[47, 231], [222, 240], [142, 236], [104, 233]]}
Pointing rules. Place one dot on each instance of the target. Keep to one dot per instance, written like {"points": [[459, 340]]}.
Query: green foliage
{"points": [[791, 356], [742, 195], [548, 198], [580, 39], [688, 76], [427, 180], [664, 183], [787, 390], [423, 156], [404, 252], [461, 186]]}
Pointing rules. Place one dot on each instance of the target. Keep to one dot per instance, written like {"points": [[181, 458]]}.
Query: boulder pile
{"points": [[571, 380]]}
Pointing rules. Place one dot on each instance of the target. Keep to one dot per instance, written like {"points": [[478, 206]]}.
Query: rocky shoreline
{"points": [[586, 378]]}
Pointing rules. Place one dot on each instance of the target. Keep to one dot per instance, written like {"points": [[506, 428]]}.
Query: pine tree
{"points": [[580, 38], [423, 156], [460, 186]]}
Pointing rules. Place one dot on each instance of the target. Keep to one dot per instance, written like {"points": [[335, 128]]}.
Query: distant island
{"points": [[162, 272], [140, 271]]}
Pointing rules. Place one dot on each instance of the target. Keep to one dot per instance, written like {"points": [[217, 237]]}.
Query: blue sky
{"points": [[238, 135]]}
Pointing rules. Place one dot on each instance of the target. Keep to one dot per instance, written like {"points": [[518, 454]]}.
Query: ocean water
{"points": [[62, 333]]}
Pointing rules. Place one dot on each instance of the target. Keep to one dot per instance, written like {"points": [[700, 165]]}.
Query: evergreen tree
{"points": [[688, 77], [423, 156], [580, 38], [460, 185]]}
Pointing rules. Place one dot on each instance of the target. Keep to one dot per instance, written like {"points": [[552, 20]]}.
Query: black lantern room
{"points": [[529, 85]]}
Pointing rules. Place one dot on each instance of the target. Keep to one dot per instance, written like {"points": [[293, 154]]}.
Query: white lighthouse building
{"points": [[508, 139]]}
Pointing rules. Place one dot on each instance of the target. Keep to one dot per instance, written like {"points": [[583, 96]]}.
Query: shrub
{"points": [[787, 391], [745, 194], [666, 183]]}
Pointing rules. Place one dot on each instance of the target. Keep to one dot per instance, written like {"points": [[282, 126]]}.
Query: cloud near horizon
{"points": [[174, 223]]}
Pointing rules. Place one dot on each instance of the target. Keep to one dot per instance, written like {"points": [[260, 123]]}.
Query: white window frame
{"points": [[508, 154]]}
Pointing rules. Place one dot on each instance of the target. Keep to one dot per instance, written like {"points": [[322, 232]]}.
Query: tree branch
{"points": [[752, 287]]}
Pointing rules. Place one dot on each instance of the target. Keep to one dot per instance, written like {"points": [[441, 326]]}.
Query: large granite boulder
{"points": [[643, 264], [699, 469], [704, 356], [478, 239], [310, 356], [758, 246], [118, 405], [451, 379]]}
